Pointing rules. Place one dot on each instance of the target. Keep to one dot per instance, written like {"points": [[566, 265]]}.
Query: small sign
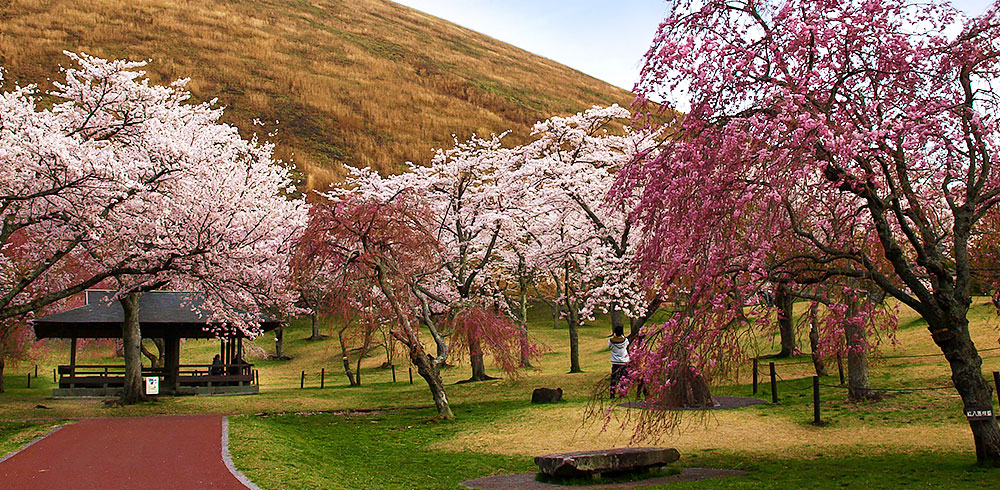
{"points": [[979, 414], [152, 385]]}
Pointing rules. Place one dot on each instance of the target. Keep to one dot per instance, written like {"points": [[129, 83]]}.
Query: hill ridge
{"points": [[365, 82]]}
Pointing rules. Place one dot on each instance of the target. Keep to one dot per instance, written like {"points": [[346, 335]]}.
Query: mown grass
{"points": [[365, 82], [288, 437]]}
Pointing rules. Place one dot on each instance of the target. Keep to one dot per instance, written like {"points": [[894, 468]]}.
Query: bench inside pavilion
{"points": [[167, 315]]}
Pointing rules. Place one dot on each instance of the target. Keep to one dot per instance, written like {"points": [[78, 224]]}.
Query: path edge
{"points": [[228, 459], [32, 443]]}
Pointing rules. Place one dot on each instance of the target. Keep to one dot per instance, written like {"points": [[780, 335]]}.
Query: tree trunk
{"points": [[279, 342], [477, 364], [3, 355], [314, 318], [357, 370], [523, 300], [131, 339], [786, 323], [689, 390], [573, 321], [616, 319], [818, 363], [155, 360], [346, 358], [427, 370], [858, 385], [967, 375]]}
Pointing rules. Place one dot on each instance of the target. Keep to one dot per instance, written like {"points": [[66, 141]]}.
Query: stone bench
{"points": [[605, 461]]}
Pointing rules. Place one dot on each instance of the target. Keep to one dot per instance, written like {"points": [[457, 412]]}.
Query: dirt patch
{"points": [[721, 403], [526, 481]]}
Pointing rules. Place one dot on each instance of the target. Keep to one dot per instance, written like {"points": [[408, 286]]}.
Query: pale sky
{"points": [[605, 39]]}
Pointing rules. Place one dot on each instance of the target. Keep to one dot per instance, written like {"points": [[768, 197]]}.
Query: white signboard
{"points": [[152, 385]]}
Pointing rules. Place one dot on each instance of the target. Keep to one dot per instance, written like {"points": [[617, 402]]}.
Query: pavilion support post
{"points": [[172, 362], [72, 357], [239, 352]]}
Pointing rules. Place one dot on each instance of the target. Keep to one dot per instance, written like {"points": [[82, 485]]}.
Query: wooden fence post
{"points": [[774, 384], [322, 378], [302, 382], [756, 363]]}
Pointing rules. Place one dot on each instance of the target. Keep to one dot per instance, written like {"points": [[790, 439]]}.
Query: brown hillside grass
{"points": [[365, 82]]}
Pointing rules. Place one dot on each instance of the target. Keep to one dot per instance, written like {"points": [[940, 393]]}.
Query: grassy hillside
{"points": [[367, 82]]}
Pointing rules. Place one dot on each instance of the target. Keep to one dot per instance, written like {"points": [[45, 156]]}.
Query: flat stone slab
{"points": [[618, 460], [527, 481]]}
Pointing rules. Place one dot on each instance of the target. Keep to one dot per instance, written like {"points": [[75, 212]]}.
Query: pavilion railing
{"points": [[187, 374]]}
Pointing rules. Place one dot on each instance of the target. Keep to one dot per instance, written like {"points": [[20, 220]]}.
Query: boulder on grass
{"points": [[546, 395], [620, 460]]}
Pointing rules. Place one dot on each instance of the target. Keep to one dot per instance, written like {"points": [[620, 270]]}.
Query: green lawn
{"points": [[293, 438]]}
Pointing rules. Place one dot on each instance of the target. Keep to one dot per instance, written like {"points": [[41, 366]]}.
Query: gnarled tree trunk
{"points": [[783, 300], [432, 375], [131, 339], [346, 358], [858, 384], [951, 334]]}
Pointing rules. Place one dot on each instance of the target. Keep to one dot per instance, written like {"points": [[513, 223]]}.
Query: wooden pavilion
{"points": [[167, 315]]}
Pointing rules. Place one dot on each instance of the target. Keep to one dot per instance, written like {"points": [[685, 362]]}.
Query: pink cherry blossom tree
{"points": [[864, 132]]}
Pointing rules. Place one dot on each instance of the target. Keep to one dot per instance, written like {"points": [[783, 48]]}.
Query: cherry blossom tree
{"points": [[147, 190], [459, 189], [383, 249], [590, 243], [863, 131]]}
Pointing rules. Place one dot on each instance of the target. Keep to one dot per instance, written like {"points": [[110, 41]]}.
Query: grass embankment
{"points": [[365, 82], [917, 435]]}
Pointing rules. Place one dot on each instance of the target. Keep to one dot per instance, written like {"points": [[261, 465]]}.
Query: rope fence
{"points": [[816, 384]]}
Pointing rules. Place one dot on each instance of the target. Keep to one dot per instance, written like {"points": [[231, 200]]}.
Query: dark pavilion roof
{"points": [[161, 314]]}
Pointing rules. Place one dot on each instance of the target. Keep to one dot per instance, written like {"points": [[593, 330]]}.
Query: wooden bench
{"points": [[605, 461]]}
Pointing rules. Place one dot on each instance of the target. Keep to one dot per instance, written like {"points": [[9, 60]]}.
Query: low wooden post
{"points": [[774, 384], [393, 373], [840, 368], [53, 375], [756, 366], [29, 380], [411, 375], [996, 384], [36, 370], [302, 382], [816, 420], [322, 377], [256, 377]]}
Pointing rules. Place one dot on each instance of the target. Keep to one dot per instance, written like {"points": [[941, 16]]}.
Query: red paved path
{"points": [[171, 452]]}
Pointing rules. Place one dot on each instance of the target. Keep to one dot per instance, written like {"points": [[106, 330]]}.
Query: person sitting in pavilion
{"points": [[217, 368]]}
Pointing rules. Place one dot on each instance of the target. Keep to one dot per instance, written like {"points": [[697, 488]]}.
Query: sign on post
{"points": [[986, 414], [152, 385]]}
